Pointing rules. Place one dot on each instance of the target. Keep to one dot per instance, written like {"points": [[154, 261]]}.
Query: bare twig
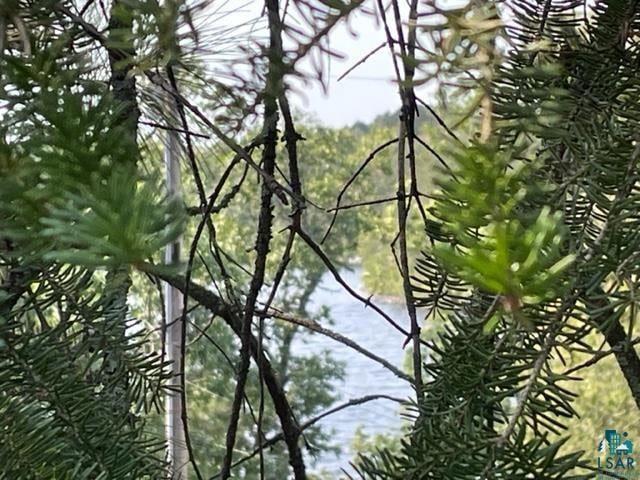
{"points": [[406, 135], [366, 203], [361, 61], [334, 271], [309, 423], [316, 327], [353, 178], [597, 356], [438, 118], [554, 328], [209, 300], [523, 397], [183, 336], [272, 91], [438, 157], [172, 129]]}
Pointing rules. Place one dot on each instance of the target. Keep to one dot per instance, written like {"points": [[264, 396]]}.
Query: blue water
{"points": [[362, 375]]}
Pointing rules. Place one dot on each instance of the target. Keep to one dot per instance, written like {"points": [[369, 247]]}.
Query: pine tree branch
{"points": [[16, 284], [608, 322], [213, 303], [156, 79]]}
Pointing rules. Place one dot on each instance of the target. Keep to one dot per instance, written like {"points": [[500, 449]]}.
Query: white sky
{"points": [[368, 91]]}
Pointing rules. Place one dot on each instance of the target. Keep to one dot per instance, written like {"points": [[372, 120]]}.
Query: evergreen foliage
{"points": [[541, 228], [530, 249], [77, 372]]}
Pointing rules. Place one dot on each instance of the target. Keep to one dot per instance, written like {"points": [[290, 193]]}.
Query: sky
{"points": [[368, 91]]}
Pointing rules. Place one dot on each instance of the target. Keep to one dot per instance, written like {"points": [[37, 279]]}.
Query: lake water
{"points": [[362, 375]]}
